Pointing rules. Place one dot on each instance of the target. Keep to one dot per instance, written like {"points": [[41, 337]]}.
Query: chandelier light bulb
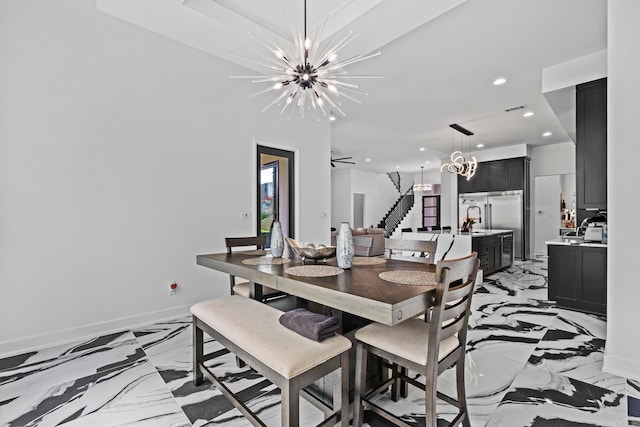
{"points": [[277, 85], [305, 77]]}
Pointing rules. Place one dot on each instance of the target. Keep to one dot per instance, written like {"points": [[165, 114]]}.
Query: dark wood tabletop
{"points": [[359, 290]]}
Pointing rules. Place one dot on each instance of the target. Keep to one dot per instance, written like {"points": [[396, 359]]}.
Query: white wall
{"points": [[622, 354], [546, 213], [123, 155], [341, 198]]}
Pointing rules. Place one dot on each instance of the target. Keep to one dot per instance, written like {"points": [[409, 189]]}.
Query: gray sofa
{"points": [[366, 241]]}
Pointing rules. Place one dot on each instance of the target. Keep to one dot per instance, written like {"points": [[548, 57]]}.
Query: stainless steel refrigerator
{"points": [[495, 211]]}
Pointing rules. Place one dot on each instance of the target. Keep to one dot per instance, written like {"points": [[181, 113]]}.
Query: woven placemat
{"points": [[266, 260], [361, 260], [409, 277], [314, 271], [255, 252]]}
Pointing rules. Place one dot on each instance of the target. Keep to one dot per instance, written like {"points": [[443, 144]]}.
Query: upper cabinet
{"points": [[591, 146], [497, 175]]}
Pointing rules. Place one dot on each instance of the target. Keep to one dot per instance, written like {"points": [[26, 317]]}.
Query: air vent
{"points": [[508, 110]]}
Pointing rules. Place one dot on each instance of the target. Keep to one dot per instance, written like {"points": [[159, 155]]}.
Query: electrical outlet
{"points": [[172, 288]]}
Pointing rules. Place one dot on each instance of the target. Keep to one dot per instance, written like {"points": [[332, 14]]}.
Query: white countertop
{"points": [[488, 232], [574, 241]]}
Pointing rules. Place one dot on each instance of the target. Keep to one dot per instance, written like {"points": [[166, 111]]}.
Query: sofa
{"points": [[366, 241]]}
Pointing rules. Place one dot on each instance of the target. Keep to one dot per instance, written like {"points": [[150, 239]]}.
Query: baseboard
{"points": [[37, 342], [626, 368]]}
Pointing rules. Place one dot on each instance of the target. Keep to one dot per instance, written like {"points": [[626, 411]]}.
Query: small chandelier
{"points": [[310, 75], [422, 187], [459, 165]]}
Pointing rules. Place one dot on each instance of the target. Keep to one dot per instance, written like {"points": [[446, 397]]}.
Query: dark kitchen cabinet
{"points": [[578, 277], [497, 175], [591, 147], [490, 252]]}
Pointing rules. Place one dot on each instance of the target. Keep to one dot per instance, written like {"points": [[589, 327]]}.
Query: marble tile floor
{"points": [[529, 363]]}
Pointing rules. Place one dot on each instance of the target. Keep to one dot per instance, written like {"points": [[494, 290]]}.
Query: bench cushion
{"points": [[255, 328]]}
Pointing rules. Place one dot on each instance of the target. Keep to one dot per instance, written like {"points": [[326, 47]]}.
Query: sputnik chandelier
{"points": [[308, 76], [459, 165]]}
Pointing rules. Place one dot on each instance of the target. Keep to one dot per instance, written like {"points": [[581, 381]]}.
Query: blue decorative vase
{"points": [[344, 246], [277, 241]]}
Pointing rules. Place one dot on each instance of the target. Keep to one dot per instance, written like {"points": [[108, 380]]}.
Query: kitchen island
{"points": [[578, 274], [494, 248]]}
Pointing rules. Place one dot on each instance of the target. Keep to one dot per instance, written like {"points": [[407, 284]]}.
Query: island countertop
{"points": [[487, 232], [574, 241]]}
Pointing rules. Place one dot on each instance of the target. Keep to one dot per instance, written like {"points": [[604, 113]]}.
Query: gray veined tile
{"points": [[540, 397], [113, 381], [575, 355], [487, 378], [633, 402], [505, 336], [581, 323]]}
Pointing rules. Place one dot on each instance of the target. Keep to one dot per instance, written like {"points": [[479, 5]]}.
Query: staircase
{"points": [[398, 211]]}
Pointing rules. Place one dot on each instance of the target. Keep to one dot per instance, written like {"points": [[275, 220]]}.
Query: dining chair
{"points": [[446, 229], [407, 230], [422, 229], [262, 293], [435, 228], [410, 250], [426, 348]]}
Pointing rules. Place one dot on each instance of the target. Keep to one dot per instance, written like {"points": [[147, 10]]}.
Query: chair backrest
{"points": [[252, 242], [450, 315], [259, 242], [435, 228], [446, 229], [410, 250], [423, 229], [407, 230]]}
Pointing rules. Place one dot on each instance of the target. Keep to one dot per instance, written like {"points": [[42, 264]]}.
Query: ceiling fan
{"points": [[342, 160]]}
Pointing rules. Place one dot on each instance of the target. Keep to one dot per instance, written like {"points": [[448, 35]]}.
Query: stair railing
{"points": [[395, 178], [397, 213]]}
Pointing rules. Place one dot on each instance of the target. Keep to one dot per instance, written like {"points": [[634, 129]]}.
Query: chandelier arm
{"points": [[354, 59], [288, 92], [356, 76], [335, 107], [253, 61], [351, 98]]}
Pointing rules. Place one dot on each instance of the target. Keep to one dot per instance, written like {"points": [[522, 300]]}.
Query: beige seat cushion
{"points": [[255, 328], [244, 289], [408, 339]]}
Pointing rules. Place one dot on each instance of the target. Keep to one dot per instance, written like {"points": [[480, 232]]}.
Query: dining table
{"points": [[382, 290]]}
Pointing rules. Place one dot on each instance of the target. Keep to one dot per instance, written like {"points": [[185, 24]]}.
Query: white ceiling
{"points": [[439, 59]]}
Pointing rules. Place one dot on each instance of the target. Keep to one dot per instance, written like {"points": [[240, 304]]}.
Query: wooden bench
{"points": [[252, 331]]}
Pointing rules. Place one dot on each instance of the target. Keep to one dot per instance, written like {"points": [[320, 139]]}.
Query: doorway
{"points": [[275, 191], [358, 210]]}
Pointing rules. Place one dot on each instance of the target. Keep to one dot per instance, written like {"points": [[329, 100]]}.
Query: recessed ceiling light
{"points": [[528, 114], [427, 162], [332, 118], [367, 160], [480, 145], [499, 81], [547, 134], [397, 167], [421, 148]]}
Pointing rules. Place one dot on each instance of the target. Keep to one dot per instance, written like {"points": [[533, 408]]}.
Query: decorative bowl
{"points": [[311, 250]]}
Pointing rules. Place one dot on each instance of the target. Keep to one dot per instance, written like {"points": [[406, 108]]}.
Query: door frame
{"points": [[290, 155]]}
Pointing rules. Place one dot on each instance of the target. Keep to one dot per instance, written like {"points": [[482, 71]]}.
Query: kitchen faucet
{"points": [[479, 213]]}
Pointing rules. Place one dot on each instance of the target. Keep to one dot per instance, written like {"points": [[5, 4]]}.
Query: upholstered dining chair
{"points": [[244, 288], [446, 229], [410, 250], [407, 230], [422, 229], [435, 228], [425, 348]]}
